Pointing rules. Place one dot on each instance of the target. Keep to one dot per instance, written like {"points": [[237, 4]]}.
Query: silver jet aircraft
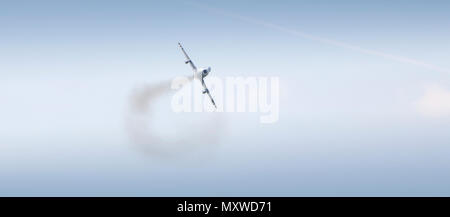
{"points": [[199, 73]]}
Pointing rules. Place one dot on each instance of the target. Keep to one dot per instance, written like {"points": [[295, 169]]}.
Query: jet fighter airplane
{"points": [[199, 73]]}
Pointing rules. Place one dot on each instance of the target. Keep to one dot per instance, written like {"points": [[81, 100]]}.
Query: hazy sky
{"points": [[364, 98]]}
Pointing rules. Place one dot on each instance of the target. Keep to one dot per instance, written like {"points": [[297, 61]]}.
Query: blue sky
{"points": [[351, 123]]}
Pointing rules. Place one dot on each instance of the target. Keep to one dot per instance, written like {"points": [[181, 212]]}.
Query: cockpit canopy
{"points": [[205, 72]]}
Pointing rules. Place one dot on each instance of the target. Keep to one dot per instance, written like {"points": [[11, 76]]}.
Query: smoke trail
{"points": [[192, 132], [397, 58]]}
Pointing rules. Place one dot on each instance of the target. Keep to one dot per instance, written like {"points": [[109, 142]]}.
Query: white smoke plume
{"points": [[148, 129]]}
